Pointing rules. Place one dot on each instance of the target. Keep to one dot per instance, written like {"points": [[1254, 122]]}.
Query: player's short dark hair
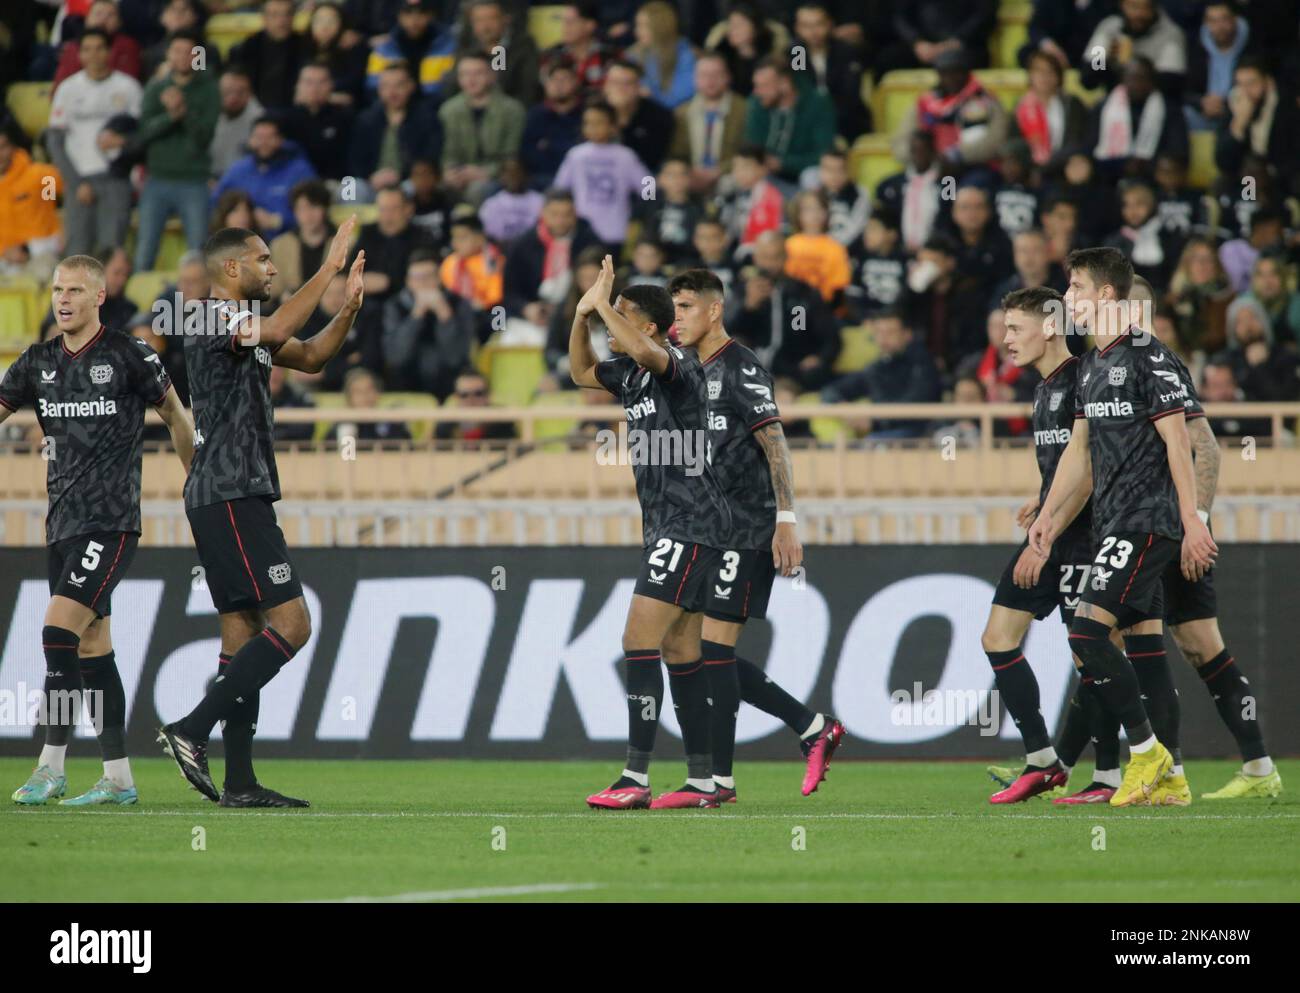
{"points": [[654, 302], [697, 281], [99, 33], [316, 192], [224, 241], [1032, 300], [1105, 267]]}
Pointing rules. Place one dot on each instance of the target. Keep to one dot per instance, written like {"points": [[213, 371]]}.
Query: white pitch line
{"points": [[630, 817], [440, 896]]}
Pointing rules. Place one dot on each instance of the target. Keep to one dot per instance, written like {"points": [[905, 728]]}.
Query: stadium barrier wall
{"points": [[515, 653]]}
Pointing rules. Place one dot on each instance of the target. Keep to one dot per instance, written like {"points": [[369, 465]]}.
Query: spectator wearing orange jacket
{"points": [[474, 270], [31, 232], [811, 254]]}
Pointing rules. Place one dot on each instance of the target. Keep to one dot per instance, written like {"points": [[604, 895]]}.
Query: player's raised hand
{"points": [[600, 289], [1028, 568], [356, 288], [787, 552], [338, 253], [1027, 512], [1199, 549]]}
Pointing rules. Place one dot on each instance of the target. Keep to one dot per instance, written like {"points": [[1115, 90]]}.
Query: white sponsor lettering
{"points": [[78, 408], [1108, 408], [1052, 436]]}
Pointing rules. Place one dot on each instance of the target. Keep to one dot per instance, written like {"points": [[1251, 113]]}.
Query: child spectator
{"points": [[431, 206], [849, 203], [362, 391], [754, 205], [812, 255], [514, 208], [603, 175], [473, 270], [1016, 202], [1141, 236], [647, 265], [879, 268], [710, 244], [1180, 208], [670, 217]]}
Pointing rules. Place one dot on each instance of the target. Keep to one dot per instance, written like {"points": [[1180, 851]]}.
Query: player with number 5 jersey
{"points": [[91, 386]]}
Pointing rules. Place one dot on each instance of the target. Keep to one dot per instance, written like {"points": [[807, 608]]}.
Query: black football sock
{"points": [[62, 683], [724, 695], [106, 702], [237, 732], [759, 691], [1105, 727], [251, 668], [1236, 703], [1077, 730], [690, 688], [1113, 677], [1019, 691], [1147, 653], [645, 695]]}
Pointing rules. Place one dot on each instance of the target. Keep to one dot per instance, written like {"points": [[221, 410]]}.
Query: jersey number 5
{"points": [[91, 559]]}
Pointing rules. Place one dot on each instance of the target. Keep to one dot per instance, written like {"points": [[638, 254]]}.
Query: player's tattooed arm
{"points": [[1205, 448], [312, 354], [787, 552], [1199, 549], [1071, 488], [179, 426]]}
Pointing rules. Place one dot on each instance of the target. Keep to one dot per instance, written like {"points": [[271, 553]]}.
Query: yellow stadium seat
{"points": [[366, 213], [870, 161], [170, 248], [546, 25], [143, 288], [15, 328], [858, 349], [420, 430], [555, 429], [1008, 85], [1011, 33], [513, 374], [30, 103], [1202, 171], [897, 93], [824, 429]]}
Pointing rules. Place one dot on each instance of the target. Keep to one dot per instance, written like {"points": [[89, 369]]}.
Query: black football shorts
{"points": [[1187, 601], [1061, 582], [245, 560], [740, 584], [1127, 573], [88, 568], [677, 572]]}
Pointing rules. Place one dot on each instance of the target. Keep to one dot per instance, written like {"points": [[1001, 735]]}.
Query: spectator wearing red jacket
{"points": [[123, 50]]}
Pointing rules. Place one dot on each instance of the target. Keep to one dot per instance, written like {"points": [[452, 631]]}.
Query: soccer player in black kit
{"points": [[90, 386], [232, 488], [661, 388], [749, 454], [1130, 453]]}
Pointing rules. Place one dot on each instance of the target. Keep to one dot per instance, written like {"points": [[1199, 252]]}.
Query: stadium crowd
{"points": [[700, 133]]}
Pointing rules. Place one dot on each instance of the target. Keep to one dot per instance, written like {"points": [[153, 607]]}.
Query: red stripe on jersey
{"points": [[257, 590], [730, 342], [63, 340], [159, 401], [7, 407], [763, 422], [1052, 375], [1167, 413]]}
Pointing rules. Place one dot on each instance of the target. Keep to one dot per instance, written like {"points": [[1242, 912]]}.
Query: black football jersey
{"points": [[234, 420], [740, 400], [1123, 390], [1053, 426], [667, 444], [90, 405]]}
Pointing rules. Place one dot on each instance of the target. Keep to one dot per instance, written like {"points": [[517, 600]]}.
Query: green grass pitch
{"points": [[469, 830]]}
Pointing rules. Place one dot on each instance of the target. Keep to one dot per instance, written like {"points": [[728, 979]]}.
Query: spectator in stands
{"points": [[31, 230], [430, 204], [286, 395], [1061, 226], [1062, 30], [317, 123], [710, 244], [983, 251], [270, 170], [580, 45], [298, 252], [1199, 294], [418, 41], [929, 29], [362, 346], [239, 109], [326, 46], [1134, 124], [1097, 207], [904, 373], [123, 50], [98, 207], [388, 244], [372, 20], [832, 67], [669, 218], [1268, 288], [1029, 253], [753, 205], [472, 394], [1015, 199], [647, 266], [785, 391], [173, 314], [602, 175], [967, 122], [487, 27], [710, 126], [554, 126], [1182, 210], [362, 391], [395, 130], [233, 209], [1140, 29], [1239, 255], [794, 127], [586, 267], [187, 17], [643, 125], [1152, 250], [748, 39], [273, 55], [783, 319], [539, 268], [482, 128], [666, 58], [177, 118], [1263, 120], [850, 204], [914, 193], [879, 267], [965, 433], [1266, 369], [1219, 385], [945, 306], [514, 208], [428, 334], [1047, 117], [474, 270], [1212, 58], [811, 254]]}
